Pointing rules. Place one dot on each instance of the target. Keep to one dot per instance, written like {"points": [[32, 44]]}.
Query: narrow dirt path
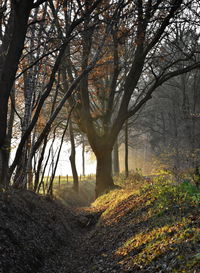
{"points": [[79, 254]]}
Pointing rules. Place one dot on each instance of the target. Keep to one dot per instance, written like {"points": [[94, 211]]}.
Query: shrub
{"points": [[167, 194]]}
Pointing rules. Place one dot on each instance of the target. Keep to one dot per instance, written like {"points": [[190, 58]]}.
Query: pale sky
{"points": [[64, 167]]}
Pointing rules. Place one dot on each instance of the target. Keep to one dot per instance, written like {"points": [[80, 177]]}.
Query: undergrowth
{"points": [[170, 238], [134, 180], [168, 194]]}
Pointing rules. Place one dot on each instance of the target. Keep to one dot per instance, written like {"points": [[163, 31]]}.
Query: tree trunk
{"points": [[14, 44], [104, 180], [4, 158], [116, 159], [26, 176], [57, 160], [5, 150], [9, 68], [176, 143], [39, 165], [83, 155], [126, 149], [72, 158]]}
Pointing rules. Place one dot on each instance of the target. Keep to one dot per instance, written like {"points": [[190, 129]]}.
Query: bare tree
{"points": [[12, 44], [56, 57]]}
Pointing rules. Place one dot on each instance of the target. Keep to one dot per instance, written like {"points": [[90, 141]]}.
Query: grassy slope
{"points": [[157, 230]]}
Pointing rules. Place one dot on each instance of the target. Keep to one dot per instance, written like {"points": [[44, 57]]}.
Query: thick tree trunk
{"points": [[5, 150], [4, 158], [21, 15], [15, 44], [104, 180]]}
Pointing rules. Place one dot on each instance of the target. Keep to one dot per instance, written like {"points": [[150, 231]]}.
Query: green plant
{"points": [[192, 191], [168, 193]]}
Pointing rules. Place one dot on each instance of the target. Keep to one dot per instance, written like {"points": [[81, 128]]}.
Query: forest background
{"points": [[103, 73]]}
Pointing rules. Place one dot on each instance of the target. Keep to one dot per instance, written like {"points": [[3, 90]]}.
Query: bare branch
{"points": [[38, 3]]}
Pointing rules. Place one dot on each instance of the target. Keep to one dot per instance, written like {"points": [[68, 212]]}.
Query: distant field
{"points": [[64, 181]]}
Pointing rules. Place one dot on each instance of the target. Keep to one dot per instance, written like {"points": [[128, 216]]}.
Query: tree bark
{"points": [[39, 166], [5, 151], [116, 159], [20, 12], [126, 150], [3, 168], [72, 159], [104, 180], [21, 15], [83, 155]]}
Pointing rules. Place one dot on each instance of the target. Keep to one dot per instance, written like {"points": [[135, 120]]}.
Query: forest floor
{"points": [[153, 229]]}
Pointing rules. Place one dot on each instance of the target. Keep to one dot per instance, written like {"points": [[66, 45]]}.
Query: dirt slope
{"points": [[123, 231], [32, 228], [135, 235]]}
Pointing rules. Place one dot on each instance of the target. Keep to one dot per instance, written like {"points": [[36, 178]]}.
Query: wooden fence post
{"points": [[59, 181]]}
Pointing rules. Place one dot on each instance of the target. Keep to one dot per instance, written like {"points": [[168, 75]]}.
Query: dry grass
{"points": [[70, 198], [156, 229]]}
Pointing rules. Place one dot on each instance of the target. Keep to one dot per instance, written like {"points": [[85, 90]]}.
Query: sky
{"points": [[64, 167]]}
